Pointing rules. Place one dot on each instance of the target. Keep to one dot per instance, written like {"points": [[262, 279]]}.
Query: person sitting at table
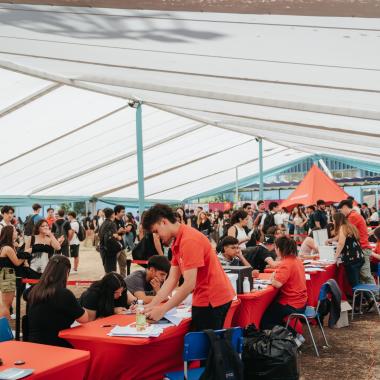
{"points": [[289, 278], [106, 297], [263, 255], [231, 254], [51, 307], [145, 284], [308, 247]]}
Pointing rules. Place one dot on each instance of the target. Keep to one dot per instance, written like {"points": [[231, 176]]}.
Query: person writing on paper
{"points": [[107, 297], [51, 307], [196, 261], [289, 278], [145, 284]]}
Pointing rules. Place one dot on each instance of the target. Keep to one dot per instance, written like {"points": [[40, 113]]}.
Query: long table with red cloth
{"points": [[253, 305], [127, 358], [48, 362]]}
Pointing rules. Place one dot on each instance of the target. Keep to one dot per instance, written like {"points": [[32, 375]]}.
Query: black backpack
{"points": [[268, 222], [60, 231], [81, 232], [223, 361], [29, 225]]}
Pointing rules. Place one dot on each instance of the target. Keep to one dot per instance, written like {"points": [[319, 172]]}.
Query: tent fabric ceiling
{"points": [[210, 83]]}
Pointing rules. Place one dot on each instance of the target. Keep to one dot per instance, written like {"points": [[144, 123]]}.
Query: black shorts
{"points": [[74, 250]]}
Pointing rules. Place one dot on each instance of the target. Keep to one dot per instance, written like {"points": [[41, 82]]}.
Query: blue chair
{"points": [[372, 289], [5, 330], [312, 313], [196, 347]]}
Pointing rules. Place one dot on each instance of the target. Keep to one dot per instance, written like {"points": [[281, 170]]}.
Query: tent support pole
{"points": [[140, 158], [237, 185], [261, 172]]}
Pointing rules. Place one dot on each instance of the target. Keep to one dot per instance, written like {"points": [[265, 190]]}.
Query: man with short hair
{"points": [[263, 255], [196, 261], [107, 233], [145, 284], [273, 218], [7, 212], [366, 213], [257, 216], [50, 218], [31, 220], [121, 230], [358, 221], [247, 207], [231, 254], [320, 215], [60, 229], [72, 237]]}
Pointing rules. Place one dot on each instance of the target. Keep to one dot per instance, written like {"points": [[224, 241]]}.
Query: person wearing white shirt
{"points": [[72, 237], [374, 218], [7, 213]]}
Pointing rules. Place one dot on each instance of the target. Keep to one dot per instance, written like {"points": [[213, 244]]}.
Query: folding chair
{"points": [[312, 313], [5, 330], [196, 347], [372, 289]]}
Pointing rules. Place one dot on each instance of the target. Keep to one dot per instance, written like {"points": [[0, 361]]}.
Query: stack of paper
{"points": [[130, 330]]}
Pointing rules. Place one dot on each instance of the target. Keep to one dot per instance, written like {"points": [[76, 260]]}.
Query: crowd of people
{"points": [[180, 246]]}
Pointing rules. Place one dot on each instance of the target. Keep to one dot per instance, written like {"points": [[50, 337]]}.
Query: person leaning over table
{"points": [[194, 258], [106, 297], [51, 307], [289, 278]]}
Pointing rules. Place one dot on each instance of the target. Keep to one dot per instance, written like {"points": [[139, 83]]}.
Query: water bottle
{"points": [[246, 285], [140, 316]]}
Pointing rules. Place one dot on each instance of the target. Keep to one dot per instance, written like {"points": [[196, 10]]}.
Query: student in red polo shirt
{"points": [[289, 278], [358, 221], [196, 261]]}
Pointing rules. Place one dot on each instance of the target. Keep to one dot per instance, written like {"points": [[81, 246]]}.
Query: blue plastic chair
{"points": [[312, 313], [372, 289], [196, 347], [5, 330]]}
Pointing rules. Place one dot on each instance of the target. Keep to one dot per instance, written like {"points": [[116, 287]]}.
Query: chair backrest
{"points": [[5, 330], [197, 344]]}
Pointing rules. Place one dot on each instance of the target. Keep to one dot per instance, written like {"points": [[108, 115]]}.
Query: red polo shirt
{"points": [[191, 249], [291, 274], [359, 222]]}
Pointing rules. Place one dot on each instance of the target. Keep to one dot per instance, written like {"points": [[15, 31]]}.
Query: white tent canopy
{"points": [[210, 84]]}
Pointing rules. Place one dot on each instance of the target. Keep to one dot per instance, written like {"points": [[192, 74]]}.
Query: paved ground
{"points": [[354, 352], [348, 8]]}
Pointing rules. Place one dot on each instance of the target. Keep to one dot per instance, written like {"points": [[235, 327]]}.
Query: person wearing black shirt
{"points": [[51, 307], [320, 215], [60, 229], [263, 255], [121, 230], [106, 297]]}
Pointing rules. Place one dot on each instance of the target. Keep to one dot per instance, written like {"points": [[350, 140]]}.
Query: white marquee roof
{"points": [[210, 83]]}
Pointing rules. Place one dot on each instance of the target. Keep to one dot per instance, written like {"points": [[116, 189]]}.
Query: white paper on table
{"points": [[131, 331], [326, 252], [176, 315], [307, 276], [315, 269], [320, 237]]}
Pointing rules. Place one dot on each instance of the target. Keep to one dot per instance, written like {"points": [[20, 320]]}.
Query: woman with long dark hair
{"points": [[106, 297], [43, 244], [8, 264], [51, 307], [289, 278], [239, 221]]}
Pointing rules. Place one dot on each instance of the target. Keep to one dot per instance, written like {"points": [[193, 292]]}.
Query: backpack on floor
{"points": [[223, 361]]}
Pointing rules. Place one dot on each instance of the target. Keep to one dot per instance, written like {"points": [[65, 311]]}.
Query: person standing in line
{"points": [[74, 242], [121, 230]]}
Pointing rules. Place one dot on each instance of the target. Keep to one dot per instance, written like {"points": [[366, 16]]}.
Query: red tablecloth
{"points": [[317, 279], [48, 362], [231, 312], [253, 306], [122, 358]]}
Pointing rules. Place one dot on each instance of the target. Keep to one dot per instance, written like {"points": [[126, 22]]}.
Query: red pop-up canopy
{"points": [[316, 185]]}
